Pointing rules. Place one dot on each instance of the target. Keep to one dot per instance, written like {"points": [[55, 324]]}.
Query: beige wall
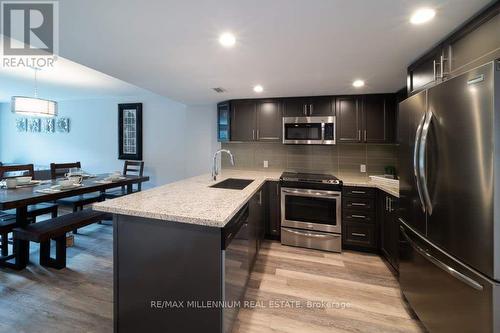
{"points": [[340, 160]]}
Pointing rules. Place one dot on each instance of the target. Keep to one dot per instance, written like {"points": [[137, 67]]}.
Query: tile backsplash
{"points": [[340, 160]]}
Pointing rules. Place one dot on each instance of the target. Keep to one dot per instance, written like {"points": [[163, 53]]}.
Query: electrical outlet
{"points": [[362, 168], [266, 164]]}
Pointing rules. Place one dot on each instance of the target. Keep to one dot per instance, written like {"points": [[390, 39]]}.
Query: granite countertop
{"points": [[192, 200], [363, 182]]}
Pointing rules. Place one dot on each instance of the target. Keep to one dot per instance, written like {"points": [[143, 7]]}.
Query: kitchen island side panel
{"points": [[159, 267]]}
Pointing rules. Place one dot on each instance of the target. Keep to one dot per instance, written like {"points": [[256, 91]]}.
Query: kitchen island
{"points": [[183, 249], [183, 253]]}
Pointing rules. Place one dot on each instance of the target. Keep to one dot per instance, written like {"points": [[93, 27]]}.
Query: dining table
{"points": [[46, 191]]}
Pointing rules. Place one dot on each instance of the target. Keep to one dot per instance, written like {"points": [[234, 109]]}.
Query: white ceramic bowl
{"points": [[23, 180]]}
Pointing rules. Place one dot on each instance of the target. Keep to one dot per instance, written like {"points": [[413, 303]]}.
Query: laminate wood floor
{"points": [[348, 292], [358, 290]]}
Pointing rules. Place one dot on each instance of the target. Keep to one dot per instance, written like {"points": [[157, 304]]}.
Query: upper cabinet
{"points": [[379, 118], [243, 118], [427, 71], [223, 122], [474, 44], [367, 119], [309, 106], [254, 120], [269, 115], [364, 118], [348, 118]]}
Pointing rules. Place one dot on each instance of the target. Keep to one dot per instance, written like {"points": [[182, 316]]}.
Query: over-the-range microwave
{"points": [[309, 130]]}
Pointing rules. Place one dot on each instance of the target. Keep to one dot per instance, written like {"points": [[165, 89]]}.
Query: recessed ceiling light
{"points": [[422, 15], [258, 88], [358, 83], [227, 39]]}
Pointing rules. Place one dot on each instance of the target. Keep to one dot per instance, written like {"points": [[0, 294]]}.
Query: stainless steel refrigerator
{"points": [[450, 202]]}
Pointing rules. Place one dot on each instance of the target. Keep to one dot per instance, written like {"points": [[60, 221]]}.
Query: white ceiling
{"points": [[291, 47], [67, 80]]}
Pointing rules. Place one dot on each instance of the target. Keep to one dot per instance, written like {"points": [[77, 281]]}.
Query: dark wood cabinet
{"points": [[389, 230], [473, 44], [359, 225], [348, 118], [295, 107], [364, 118], [309, 106], [321, 106], [256, 225], [273, 210], [367, 119], [269, 120], [243, 116], [379, 118], [427, 71], [256, 120]]}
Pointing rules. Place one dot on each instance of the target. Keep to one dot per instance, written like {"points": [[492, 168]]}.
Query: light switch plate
{"points": [[266, 164], [362, 168]]}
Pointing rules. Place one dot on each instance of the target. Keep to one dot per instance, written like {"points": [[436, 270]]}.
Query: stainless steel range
{"points": [[311, 211]]}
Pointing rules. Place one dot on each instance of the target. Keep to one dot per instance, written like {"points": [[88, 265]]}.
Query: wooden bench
{"points": [[7, 223], [56, 229]]}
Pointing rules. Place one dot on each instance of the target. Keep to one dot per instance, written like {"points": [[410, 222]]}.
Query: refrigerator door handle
{"points": [[421, 161], [453, 272], [415, 161]]}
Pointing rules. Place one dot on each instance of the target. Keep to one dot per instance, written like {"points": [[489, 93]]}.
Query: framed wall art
{"points": [[22, 124], [130, 131], [62, 125], [34, 125]]}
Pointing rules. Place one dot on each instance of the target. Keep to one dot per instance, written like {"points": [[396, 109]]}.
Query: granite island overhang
{"points": [[183, 253]]}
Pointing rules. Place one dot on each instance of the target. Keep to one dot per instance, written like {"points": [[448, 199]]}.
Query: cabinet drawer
{"points": [[360, 192], [359, 234], [358, 216], [358, 203]]}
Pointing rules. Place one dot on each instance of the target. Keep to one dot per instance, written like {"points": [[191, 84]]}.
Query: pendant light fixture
{"points": [[34, 106]]}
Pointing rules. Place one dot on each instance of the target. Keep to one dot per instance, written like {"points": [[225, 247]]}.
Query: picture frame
{"points": [[130, 131], [62, 125]]}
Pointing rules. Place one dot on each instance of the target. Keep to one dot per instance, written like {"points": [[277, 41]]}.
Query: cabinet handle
{"points": [[310, 109], [434, 69], [386, 204], [358, 234], [258, 135], [253, 134], [358, 216], [359, 135], [443, 59], [358, 192], [365, 136], [305, 110], [357, 204]]}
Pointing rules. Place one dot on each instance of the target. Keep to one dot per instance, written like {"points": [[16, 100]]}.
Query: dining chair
{"points": [[12, 171], [135, 168], [77, 202]]}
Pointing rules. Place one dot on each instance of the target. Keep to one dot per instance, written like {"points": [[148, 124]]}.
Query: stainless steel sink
{"points": [[233, 183]]}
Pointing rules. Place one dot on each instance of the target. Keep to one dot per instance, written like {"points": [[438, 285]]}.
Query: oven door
{"points": [[311, 209], [309, 130]]}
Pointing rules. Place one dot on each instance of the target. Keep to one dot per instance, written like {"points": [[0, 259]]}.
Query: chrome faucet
{"points": [[215, 170]]}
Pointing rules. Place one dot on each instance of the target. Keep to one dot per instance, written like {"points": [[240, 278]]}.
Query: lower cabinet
{"points": [[273, 210], [359, 226], [389, 230], [256, 224]]}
